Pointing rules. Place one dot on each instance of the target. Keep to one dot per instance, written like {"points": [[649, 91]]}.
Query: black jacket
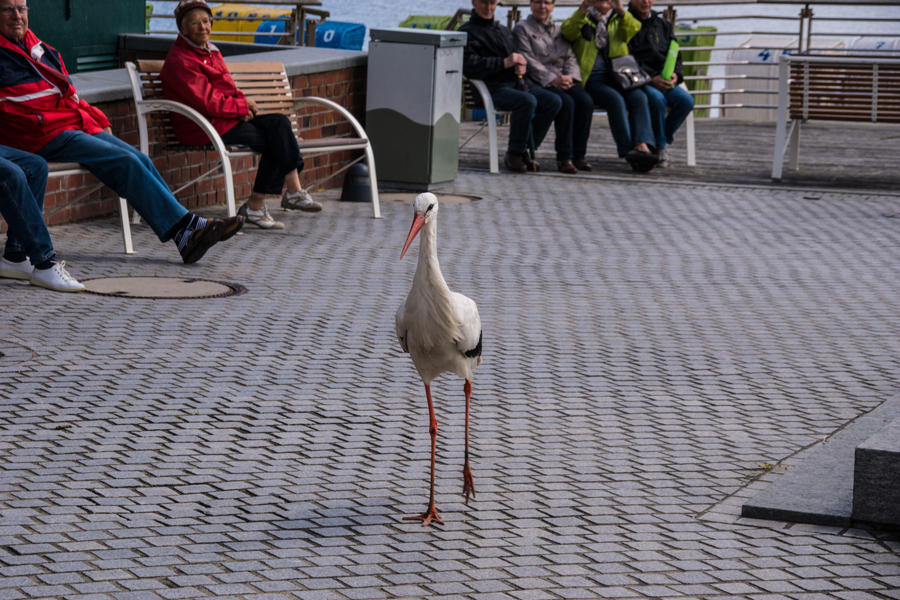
{"points": [[650, 45], [487, 46]]}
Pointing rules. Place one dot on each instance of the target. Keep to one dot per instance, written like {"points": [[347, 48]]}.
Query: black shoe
{"points": [[202, 240], [582, 165], [641, 162], [514, 162]]}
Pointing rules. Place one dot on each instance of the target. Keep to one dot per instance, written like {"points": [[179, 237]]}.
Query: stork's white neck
{"points": [[430, 298], [428, 269]]}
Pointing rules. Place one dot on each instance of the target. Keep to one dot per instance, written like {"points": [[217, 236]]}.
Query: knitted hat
{"points": [[186, 6]]}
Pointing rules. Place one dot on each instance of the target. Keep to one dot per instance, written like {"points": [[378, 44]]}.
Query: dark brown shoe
{"points": [[515, 163], [202, 240], [232, 226], [566, 166], [583, 165], [532, 165]]}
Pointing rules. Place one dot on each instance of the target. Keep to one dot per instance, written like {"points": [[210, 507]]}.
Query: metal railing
{"points": [[299, 26], [734, 77]]}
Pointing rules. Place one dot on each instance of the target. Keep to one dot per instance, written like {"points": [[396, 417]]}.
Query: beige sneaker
{"points": [[300, 201], [260, 218]]}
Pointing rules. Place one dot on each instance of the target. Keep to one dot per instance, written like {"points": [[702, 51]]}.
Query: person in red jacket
{"points": [[41, 113], [195, 74]]}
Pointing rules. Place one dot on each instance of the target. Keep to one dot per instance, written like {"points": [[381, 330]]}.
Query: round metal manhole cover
{"points": [[171, 288]]}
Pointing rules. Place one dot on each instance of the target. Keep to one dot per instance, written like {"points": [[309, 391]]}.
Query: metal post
{"points": [[805, 12], [513, 17], [874, 92], [290, 28], [806, 90], [670, 14], [809, 24]]}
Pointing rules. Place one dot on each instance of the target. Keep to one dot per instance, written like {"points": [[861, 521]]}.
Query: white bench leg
{"points": [[492, 138], [229, 185], [689, 131], [782, 118], [794, 162], [126, 226], [373, 181]]}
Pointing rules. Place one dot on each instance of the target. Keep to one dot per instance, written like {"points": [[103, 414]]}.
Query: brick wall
{"points": [[346, 87]]}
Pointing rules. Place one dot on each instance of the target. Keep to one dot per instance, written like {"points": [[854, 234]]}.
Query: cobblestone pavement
{"points": [[649, 349]]}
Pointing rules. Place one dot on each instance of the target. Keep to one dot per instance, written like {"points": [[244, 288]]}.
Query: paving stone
{"points": [[649, 349]]}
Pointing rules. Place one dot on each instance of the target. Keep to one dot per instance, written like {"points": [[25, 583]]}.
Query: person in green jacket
{"points": [[599, 30]]}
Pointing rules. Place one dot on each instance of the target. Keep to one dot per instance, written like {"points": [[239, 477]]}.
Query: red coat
{"points": [[199, 78], [37, 98]]}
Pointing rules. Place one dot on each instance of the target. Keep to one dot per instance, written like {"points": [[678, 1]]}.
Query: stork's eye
{"points": [[428, 210]]}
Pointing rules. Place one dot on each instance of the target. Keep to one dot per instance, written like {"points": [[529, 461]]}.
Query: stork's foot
{"points": [[468, 484], [428, 516]]}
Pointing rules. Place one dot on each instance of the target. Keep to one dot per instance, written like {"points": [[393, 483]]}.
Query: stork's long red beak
{"points": [[418, 222]]}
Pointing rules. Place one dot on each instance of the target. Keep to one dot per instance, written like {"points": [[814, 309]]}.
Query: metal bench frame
{"points": [[63, 169], [491, 116], [831, 88], [144, 78]]}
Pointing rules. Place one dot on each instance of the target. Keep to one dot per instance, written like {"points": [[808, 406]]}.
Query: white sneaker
{"points": [[19, 270], [300, 201], [55, 278], [260, 218]]}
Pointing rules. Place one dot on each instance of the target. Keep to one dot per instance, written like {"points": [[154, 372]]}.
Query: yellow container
{"points": [[258, 14]]}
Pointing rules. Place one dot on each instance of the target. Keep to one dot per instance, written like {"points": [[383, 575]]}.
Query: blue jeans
{"points": [[680, 105], [540, 103], [125, 170], [573, 122], [629, 115], [23, 179]]}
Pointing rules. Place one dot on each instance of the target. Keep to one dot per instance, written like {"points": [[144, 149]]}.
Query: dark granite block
{"points": [[876, 478], [819, 490]]}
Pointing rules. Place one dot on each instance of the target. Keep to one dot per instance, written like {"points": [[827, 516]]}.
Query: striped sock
{"points": [[182, 237]]}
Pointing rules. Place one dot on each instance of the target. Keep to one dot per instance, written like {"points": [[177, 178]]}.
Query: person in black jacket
{"points": [[649, 47], [490, 55]]}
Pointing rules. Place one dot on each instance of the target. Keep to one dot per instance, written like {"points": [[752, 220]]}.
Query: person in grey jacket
{"points": [[552, 66]]}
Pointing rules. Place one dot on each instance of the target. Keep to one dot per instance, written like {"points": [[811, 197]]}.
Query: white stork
{"points": [[440, 329]]}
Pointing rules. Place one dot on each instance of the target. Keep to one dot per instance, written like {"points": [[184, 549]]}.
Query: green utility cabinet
{"points": [[412, 106], [86, 32]]}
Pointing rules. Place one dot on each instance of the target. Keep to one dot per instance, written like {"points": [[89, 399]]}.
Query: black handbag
{"points": [[627, 74]]}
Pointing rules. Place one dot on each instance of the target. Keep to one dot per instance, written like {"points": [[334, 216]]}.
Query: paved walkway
{"points": [[654, 354]]}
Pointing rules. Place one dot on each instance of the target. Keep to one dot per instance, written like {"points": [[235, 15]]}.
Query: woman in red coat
{"points": [[195, 74]]}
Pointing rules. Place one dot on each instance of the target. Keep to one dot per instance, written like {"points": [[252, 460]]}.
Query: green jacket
{"points": [[620, 30]]}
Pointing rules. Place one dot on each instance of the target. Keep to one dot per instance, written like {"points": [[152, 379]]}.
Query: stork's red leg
{"points": [[468, 485], [431, 514]]}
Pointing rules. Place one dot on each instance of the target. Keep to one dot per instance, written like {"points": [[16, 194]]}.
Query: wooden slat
{"points": [[841, 91], [255, 67]]}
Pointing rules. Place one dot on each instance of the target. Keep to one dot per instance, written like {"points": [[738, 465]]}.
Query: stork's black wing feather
{"points": [[476, 351]]}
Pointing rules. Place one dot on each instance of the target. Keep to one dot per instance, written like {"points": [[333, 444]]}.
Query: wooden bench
{"points": [[491, 113], [264, 82], [863, 88]]}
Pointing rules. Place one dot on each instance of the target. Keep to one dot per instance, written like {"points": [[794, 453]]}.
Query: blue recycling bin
{"points": [[330, 34], [337, 34]]}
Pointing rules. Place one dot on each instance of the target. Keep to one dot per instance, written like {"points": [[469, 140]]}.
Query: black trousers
{"points": [[271, 136]]}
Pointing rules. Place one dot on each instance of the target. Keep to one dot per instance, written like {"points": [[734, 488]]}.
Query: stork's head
{"points": [[426, 208]]}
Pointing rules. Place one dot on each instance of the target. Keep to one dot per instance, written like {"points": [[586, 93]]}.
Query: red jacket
{"points": [[37, 98], [199, 78]]}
